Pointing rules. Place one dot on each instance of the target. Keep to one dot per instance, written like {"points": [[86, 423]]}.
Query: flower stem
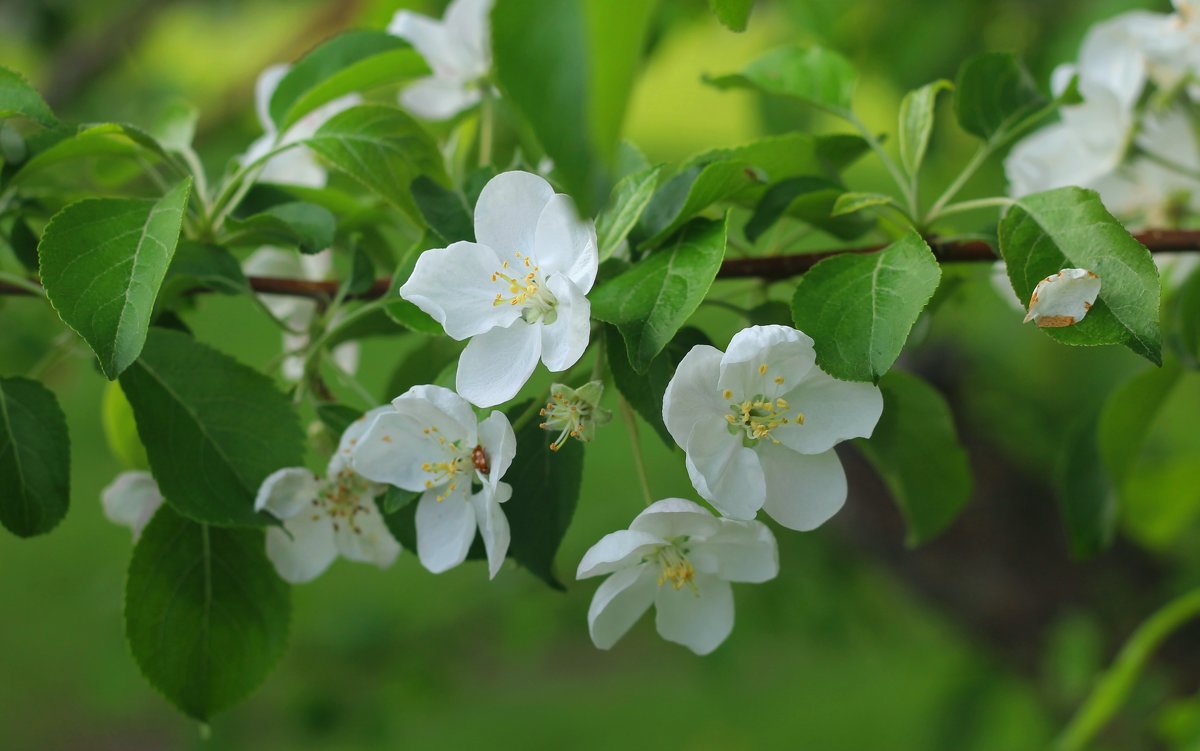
{"points": [[977, 160], [635, 444], [893, 169], [19, 281], [961, 206], [1114, 685], [486, 120]]}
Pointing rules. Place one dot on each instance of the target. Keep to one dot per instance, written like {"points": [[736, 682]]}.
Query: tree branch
{"points": [[770, 268]]}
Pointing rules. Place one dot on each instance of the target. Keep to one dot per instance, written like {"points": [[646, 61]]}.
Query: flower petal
{"points": [[1063, 299], [786, 353], [803, 491], [287, 492], [834, 411], [493, 524], [307, 552], [468, 23], [499, 443], [507, 212], [392, 450], [445, 530], [618, 603], [673, 517], [1051, 158], [368, 540], [131, 499], [739, 552], [565, 244], [296, 166], [433, 40], [439, 97], [351, 437], [724, 472], [495, 365], [450, 404], [699, 619], [454, 286], [692, 395], [617, 550], [564, 341], [264, 89]]}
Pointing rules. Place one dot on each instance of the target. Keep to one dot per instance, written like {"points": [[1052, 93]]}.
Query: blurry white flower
{"points": [[131, 499], [323, 518], [1146, 191], [518, 292], [680, 558], [297, 165], [759, 423], [429, 441], [297, 312], [458, 51], [1063, 299]]}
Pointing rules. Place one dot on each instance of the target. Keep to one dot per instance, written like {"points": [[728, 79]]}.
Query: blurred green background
{"points": [[985, 639]]}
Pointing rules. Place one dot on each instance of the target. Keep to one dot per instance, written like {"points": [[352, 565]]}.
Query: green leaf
{"points": [[383, 148], [175, 126], [1070, 228], [629, 199], [1086, 497], [35, 458], [651, 301], [1182, 317], [120, 428], [202, 266], [916, 123], [337, 417], [423, 364], [24, 244], [915, 449], [1128, 415], [817, 76], [18, 98], [213, 428], [306, 226], [994, 94], [859, 308], [102, 262], [644, 392], [352, 61], [849, 203], [733, 14], [444, 210], [205, 615], [569, 66], [810, 199], [105, 140]]}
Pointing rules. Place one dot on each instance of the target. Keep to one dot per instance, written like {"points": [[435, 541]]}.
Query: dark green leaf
{"points": [[106, 140], [1182, 320], [17, 97], [994, 94], [1086, 497], [306, 226], [423, 365], [444, 210], [629, 199], [205, 614], [651, 301], [24, 244], [213, 428], [337, 417], [102, 262], [644, 392], [915, 449], [1070, 228], [859, 308], [810, 199], [733, 14], [35, 458], [203, 266], [916, 123], [814, 75]]}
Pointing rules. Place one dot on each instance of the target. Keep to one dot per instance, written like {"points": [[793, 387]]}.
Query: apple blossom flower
{"points": [[574, 413], [681, 558], [131, 499], [429, 441], [297, 165], [518, 292], [458, 51], [326, 517], [297, 312], [759, 423], [1063, 299]]}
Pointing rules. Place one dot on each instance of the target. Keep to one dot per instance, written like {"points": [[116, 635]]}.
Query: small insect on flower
{"points": [[575, 413], [1063, 299], [480, 459]]}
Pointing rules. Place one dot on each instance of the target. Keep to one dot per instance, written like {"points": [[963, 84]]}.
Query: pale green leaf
{"points": [[814, 75], [916, 123], [18, 98]]}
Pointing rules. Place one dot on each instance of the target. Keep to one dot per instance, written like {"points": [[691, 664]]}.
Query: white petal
{"points": [[438, 97], [131, 499], [564, 341], [433, 40], [264, 89], [392, 450], [296, 166], [493, 524], [1050, 158], [468, 22], [1063, 299], [495, 365], [565, 244], [803, 491], [287, 492], [699, 619], [445, 530], [308, 125], [1111, 55], [308, 551], [617, 550], [834, 411], [786, 353], [507, 212], [739, 552], [351, 437], [368, 540], [618, 603], [450, 404], [346, 357], [454, 286], [499, 443], [692, 395], [724, 472], [673, 517]]}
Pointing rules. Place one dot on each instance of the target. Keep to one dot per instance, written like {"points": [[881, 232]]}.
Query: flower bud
{"points": [[575, 413]]}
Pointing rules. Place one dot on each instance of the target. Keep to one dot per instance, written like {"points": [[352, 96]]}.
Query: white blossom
{"points": [[518, 292], [326, 517], [429, 441], [759, 423], [1063, 298], [131, 499], [680, 558], [458, 51]]}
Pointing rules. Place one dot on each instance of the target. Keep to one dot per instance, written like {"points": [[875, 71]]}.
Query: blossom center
{"points": [[525, 287], [674, 566], [448, 473], [758, 416], [341, 499]]}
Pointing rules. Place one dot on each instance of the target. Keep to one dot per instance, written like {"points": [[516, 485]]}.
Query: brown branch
{"points": [[770, 268]]}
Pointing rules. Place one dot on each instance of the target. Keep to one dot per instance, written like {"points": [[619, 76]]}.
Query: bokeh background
{"points": [[984, 639]]}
